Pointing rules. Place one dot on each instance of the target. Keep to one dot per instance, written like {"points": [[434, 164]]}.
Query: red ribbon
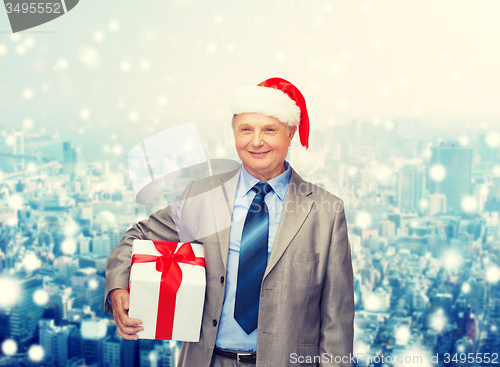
{"points": [[171, 279]]}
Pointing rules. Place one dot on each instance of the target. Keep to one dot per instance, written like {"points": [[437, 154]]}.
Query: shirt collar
{"points": [[278, 183]]}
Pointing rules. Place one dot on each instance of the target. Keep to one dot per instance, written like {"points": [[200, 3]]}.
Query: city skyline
{"points": [[426, 270]]}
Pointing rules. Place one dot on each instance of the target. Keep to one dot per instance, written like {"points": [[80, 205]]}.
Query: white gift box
{"points": [[145, 292]]}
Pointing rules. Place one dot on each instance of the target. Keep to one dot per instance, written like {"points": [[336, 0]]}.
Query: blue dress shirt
{"points": [[230, 334]]}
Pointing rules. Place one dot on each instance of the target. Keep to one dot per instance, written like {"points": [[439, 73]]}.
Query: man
{"points": [[279, 273]]}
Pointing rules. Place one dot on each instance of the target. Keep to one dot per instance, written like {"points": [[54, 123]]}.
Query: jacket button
{"points": [[222, 279], [215, 322]]}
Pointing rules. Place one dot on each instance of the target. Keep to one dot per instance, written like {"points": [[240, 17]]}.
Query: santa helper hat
{"points": [[277, 98]]}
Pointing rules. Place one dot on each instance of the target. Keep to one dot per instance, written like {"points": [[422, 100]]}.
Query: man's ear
{"points": [[293, 130]]}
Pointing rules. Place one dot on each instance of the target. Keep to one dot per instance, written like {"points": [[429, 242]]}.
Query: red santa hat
{"points": [[277, 98]]}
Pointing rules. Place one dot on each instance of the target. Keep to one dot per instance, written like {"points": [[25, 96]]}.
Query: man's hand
{"points": [[125, 326]]}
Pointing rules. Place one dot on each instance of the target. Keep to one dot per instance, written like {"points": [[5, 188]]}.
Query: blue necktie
{"points": [[253, 260]]}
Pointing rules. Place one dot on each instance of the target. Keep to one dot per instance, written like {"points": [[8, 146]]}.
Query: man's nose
{"points": [[257, 140]]}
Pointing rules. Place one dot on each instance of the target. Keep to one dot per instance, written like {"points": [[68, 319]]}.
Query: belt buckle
{"points": [[238, 355]]}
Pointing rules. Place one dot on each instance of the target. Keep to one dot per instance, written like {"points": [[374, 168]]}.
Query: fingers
{"points": [[124, 335], [128, 326], [125, 326]]}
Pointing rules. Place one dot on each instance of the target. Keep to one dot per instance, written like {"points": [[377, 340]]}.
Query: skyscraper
{"points": [[93, 334], [410, 188], [111, 352], [20, 321], [69, 158], [456, 184], [101, 245], [54, 341]]}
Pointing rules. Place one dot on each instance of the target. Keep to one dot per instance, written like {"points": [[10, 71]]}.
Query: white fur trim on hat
{"points": [[267, 101]]}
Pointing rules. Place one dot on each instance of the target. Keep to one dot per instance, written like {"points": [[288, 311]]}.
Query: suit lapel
{"points": [[297, 207], [228, 184]]}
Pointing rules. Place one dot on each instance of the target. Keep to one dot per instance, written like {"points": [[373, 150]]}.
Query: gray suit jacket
{"points": [[307, 300]]}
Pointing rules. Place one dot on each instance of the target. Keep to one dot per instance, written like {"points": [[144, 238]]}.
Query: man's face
{"points": [[262, 143]]}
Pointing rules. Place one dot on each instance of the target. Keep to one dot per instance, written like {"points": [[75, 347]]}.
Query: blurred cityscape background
{"points": [[403, 99], [423, 225]]}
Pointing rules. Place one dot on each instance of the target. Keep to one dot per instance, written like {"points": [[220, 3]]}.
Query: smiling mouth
{"points": [[258, 153]]}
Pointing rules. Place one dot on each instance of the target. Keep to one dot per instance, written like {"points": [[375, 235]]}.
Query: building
{"points": [[83, 244], [437, 204], [111, 352], [54, 341], [410, 188], [456, 184], [69, 158], [74, 342], [95, 261], [20, 321], [101, 245], [93, 334], [63, 301]]}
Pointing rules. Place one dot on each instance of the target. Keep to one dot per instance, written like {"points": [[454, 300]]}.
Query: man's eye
{"points": [[269, 129]]}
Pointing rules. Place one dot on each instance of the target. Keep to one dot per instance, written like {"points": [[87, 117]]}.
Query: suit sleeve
{"points": [[337, 298], [161, 225]]}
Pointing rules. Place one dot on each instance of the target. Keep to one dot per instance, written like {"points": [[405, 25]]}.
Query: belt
{"points": [[242, 357]]}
